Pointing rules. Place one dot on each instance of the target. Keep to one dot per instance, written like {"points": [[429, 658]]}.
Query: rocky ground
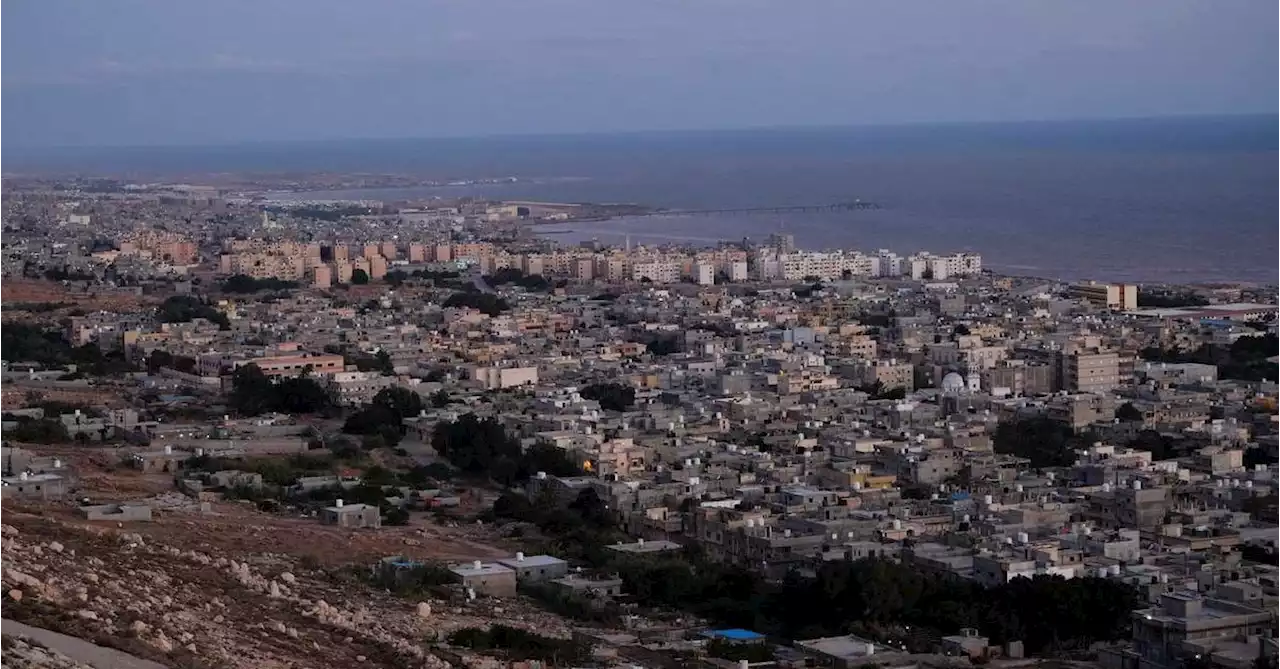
{"points": [[237, 589], [23, 653]]}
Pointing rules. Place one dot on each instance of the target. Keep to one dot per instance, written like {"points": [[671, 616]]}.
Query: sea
{"points": [[1172, 200]]}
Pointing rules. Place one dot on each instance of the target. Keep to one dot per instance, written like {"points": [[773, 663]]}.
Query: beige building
{"points": [[505, 377], [890, 373], [417, 253], [321, 276], [1090, 371], [1110, 295], [351, 515], [487, 578]]}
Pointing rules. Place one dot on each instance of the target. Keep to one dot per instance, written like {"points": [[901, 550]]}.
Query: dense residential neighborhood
{"points": [[743, 455]]}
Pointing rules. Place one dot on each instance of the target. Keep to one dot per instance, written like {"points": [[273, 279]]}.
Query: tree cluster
{"points": [[254, 393], [185, 308], [483, 447], [38, 430], [1129, 413], [1244, 360], [661, 346], [485, 303], [160, 359], [22, 342], [1044, 612], [243, 284], [877, 391], [611, 396], [510, 275], [1044, 442], [381, 421], [1170, 299], [379, 362], [518, 645]]}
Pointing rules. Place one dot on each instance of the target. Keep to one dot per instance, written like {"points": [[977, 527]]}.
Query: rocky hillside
{"points": [[164, 600]]}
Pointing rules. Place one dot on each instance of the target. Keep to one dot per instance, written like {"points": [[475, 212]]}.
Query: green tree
{"points": [[385, 364], [359, 277], [1128, 413], [1045, 442], [376, 419], [401, 401], [611, 396]]}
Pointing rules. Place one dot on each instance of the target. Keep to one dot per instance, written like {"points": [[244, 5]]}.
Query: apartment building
{"points": [[505, 377], [1090, 371], [1112, 296], [1187, 624], [1129, 505], [657, 271], [891, 373], [704, 273]]}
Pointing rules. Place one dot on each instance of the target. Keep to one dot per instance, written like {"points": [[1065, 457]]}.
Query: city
{"points": [[420, 432], [605, 334]]}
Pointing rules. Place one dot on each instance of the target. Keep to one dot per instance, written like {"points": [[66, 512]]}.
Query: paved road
{"points": [[79, 650]]}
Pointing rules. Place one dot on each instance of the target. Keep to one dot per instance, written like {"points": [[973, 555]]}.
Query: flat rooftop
{"points": [[483, 569], [531, 561], [847, 646], [643, 546], [1208, 311]]}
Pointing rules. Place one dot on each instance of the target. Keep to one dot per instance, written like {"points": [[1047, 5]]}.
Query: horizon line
{"points": [[7, 147]]}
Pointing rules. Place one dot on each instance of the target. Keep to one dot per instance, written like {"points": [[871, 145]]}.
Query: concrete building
{"points": [[117, 512], [321, 276], [351, 515], [1090, 371], [34, 486], [841, 652], [890, 373], [535, 568], [358, 388], [642, 547], [656, 272], [487, 578], [1112, 296], [593, 587], [1187, 624], [494, 378], [736, 270], [704, 274], [1127, 506], [1022, 377]]}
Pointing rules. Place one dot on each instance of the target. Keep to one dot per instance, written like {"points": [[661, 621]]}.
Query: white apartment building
{"points": [[890, 264], [736, 270], [613, 269], [940, 268], [704, 274], [827, 265], [657, 271]]}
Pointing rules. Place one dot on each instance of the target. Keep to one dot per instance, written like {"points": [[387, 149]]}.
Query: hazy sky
{"points": [[84, 72]]}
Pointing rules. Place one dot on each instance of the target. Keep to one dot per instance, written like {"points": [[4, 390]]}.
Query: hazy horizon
{"points": [[906, 125], [153, 73]]}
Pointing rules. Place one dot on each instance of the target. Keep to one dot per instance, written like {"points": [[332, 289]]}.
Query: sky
{"points": [[173, 72]]}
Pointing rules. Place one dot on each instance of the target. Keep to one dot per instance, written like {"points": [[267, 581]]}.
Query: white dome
{"points": [[953, 383]]}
